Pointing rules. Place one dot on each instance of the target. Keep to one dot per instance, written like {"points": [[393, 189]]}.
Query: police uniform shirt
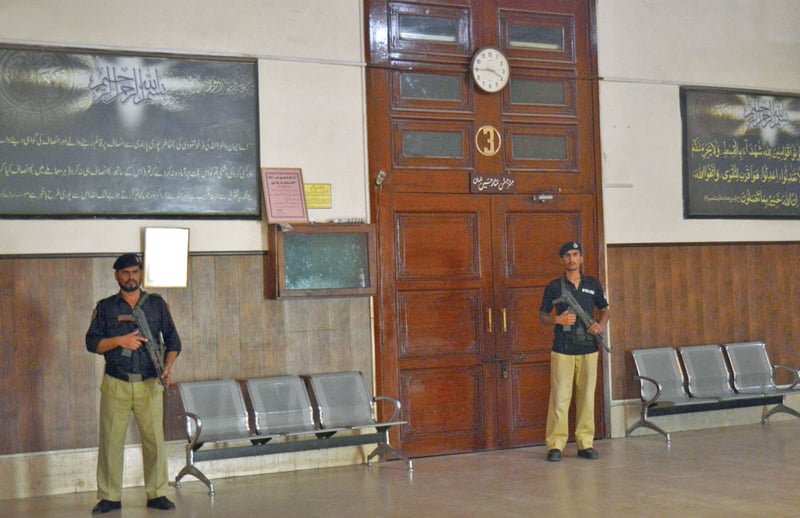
{"points": [[589, 295], [106, 323]]}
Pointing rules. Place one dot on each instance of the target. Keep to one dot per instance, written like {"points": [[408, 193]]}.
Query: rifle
{"points": [[154, 347], [586, 319]]}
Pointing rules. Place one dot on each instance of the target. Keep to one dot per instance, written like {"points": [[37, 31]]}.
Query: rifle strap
{"points": [[141, 300]]}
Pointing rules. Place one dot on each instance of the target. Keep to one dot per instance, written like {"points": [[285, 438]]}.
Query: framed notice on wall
{"points": [[741, 154], [284, 195], [92, 133]]}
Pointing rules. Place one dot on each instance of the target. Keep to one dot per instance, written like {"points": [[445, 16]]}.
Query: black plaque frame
{"points": [[741, 154], [91, 133]]}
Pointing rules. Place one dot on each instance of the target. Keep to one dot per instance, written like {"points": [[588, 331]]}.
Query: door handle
{"points": [[505, 320], [489, 318]]}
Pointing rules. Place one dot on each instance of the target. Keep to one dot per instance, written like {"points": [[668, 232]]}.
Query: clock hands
{"points": [[487, 69]]}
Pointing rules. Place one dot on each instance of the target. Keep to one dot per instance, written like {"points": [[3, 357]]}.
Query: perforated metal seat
{"points": [[222, 406], [752, 370], [281, 406], [661, 367], [343, 401]]}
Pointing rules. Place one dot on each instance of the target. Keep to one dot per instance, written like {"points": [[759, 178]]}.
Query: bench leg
{"points": [[193, 471], [644, 423], [778, 408], [384, 448]]}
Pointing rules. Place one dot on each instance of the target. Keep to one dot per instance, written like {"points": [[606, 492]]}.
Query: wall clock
{"points": [[490, 70]]}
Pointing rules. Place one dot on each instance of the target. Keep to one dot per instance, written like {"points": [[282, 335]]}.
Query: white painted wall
{"points": [[647, 49], [311, 96]]}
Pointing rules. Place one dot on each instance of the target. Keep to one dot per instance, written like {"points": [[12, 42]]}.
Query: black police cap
{"points": [[566, 247], [126, 261]]}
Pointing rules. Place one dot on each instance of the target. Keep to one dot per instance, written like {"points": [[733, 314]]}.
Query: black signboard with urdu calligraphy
{"points": [[741, 154], [86, 134]]}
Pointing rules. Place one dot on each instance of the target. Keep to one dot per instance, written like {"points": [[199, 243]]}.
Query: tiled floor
{"points": [[745, 471]]}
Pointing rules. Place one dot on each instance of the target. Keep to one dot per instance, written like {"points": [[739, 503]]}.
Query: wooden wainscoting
{"points": [[229, 330], [694, 294]]}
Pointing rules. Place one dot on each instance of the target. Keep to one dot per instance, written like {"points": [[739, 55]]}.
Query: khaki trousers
{"points": [[117, 400], [567, 371]]}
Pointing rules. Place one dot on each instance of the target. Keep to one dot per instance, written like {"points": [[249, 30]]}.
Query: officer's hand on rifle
{"points": [[595, 329], [566, 318], [132, 341]]}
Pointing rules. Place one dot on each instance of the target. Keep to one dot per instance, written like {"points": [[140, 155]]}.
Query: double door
{"points": [[472, 194], [460, 338]]}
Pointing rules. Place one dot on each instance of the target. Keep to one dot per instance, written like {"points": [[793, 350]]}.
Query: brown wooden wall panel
{"points": [[694, 294], [51, 384]]}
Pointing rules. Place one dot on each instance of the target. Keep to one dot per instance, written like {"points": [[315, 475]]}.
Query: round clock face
{"points": [[490, 69]]}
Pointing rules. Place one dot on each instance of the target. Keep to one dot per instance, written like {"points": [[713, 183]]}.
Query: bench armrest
{"points": [[795, 374], [654, 399], [393, 401], [193, 438]]}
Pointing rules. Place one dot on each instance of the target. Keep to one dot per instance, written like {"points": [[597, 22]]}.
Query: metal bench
{"points": [[692, 379], [284, 418]]}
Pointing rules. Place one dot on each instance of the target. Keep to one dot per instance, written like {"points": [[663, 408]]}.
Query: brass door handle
{"points": [[489, 316]]}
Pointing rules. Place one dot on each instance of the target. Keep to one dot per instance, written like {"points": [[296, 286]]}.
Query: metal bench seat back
{"points": [[342, 400], [707, 374], [662, 365], [752, 370], [280, 405], [221, 407]]}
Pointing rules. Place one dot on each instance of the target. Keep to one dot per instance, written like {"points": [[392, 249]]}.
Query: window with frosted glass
{"points": [[536, 37], [431, 87], [538, 147], [432, 144], [425, 28], [528, 91], [326, 261]]}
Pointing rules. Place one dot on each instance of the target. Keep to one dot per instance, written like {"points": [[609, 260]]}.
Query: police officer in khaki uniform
{"points": [[131, 385], [574, 357]]}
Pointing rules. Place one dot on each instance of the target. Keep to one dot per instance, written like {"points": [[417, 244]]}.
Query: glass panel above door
{"points": [[432, 144], [536, 92], [538, 38], [539, 147], [430, 86], [425, 28]]}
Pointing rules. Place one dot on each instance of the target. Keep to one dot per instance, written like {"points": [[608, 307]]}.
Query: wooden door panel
{"points": [[444, 408], [434, 245], [532, 241], [434, 323], [527, 339], [528, 403], [534, 231]]}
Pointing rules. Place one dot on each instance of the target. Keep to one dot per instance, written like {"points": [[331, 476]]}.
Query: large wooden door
{"points": [[460, 307], [463, 267]]}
